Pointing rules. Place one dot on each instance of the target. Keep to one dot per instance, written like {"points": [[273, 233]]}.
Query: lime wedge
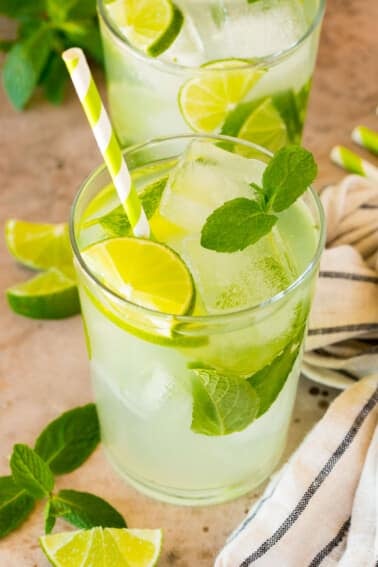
{"points": [[206, 100], [38, 246], [144, 272], [51, 295], [265, 127], [103, 547], [149, 25]]}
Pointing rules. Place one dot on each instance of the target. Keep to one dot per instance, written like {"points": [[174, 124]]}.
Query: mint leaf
{"points": [[287, 176], [82, 510], [50, 518], [116, 222], [221, 404], [69, 440], [269, 381], [15, 505], [235, 225], [30, 472], [24, 64], [20, 9], [54, 79]]}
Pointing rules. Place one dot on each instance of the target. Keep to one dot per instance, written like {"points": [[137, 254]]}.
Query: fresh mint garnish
{"points": [[70, 439], [30, 472], [83, 510], [287, 176], [45, 29], [221, 404], [15, 505], [241, 222], [235, 225], [61, 447], [116, 223]]}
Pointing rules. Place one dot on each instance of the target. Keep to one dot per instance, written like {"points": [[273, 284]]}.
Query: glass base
{"points": [[205, 497]]}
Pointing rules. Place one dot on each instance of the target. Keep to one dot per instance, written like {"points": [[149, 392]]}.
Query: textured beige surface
{"points": [[44, 155]]}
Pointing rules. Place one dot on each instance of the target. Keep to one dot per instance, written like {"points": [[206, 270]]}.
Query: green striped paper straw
{"points": [[366, 138], [353, 163], [99, 121]]}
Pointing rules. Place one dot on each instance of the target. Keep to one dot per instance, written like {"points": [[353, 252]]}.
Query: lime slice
{"points": [[144, 272], [38, 246], [102, 547], [265, 127], [51, 295], [206, 100], [149, 25]]}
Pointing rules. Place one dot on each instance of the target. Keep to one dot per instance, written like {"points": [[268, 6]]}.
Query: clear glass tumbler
{"points": [[142, 360]]}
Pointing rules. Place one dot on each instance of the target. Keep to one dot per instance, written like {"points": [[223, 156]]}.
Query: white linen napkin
{"points": [[321, 509]]}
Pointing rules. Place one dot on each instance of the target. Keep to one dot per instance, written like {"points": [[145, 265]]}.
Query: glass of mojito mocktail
{"points": [[233, 67], [195, 396]]}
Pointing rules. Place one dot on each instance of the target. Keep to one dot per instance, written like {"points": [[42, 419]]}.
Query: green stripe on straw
{"points": [[106, 139], [353, 163], [366, 138]]}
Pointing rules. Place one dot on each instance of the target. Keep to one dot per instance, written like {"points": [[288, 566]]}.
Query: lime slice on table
{"points": [[38, 246], [144, 272], [206, 100], [50, 295], [103, 547], [149, 25]]}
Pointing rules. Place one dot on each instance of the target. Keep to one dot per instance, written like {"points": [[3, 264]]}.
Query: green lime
{"points": [[50, 295], [149, 25], [103, 547], [264, 127], [143, 271], [38, 246], [206, 99]]}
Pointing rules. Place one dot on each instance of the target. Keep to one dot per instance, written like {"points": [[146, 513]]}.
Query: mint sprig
{"points": [[15, 505], [70, 439], [61, 448], [83, 510], [45, 29], [238, 223]]}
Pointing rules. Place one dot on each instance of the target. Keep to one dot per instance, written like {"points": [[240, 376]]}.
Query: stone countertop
{"points": [[45, 153]]}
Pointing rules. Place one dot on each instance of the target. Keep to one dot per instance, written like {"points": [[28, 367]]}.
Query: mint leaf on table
{"points": [[287, 176], [269, 381], [24, 64], [69, 440], [82, 510], [238, 223], [235, 225], [30, 472], [221, 404], [15, 505], [116, 222]]}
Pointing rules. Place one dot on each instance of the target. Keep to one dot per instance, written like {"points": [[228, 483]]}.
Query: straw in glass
{"points": [[99, 121], [366, 138], [353, 163]]}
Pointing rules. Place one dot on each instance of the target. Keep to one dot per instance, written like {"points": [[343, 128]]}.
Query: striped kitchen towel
{"points": [[321, 509], [342, 340]]}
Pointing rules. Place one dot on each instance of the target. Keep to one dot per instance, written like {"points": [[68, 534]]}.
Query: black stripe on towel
{"points": [[331, 545], [344, 329], [316, 483], [348, 276]]}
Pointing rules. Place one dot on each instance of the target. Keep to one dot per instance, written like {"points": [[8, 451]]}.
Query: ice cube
{"points": [[229, 282], [204, 178]]}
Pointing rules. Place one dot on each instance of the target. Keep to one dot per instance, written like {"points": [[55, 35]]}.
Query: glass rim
{"points": [[266, 60], [211, 318]]}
